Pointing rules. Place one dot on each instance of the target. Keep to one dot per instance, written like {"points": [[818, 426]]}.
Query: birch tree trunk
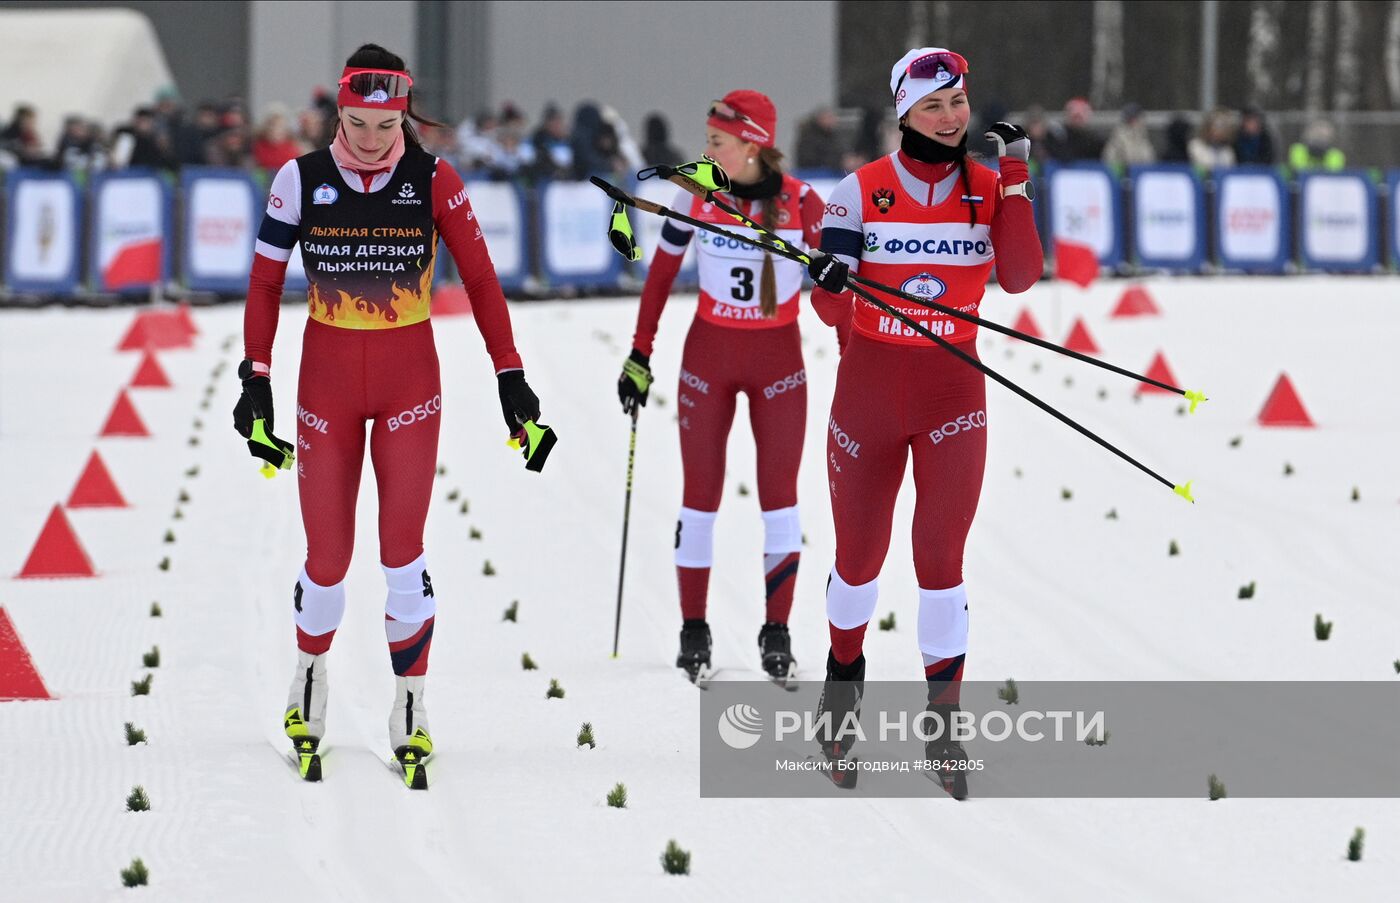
{"points": [[1107, 86], [1265, 32], [1346, 90], [1315, 83], [1392, 53]]}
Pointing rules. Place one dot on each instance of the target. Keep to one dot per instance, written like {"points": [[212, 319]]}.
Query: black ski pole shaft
{"points": [[709, 196], [626, 519], [1183, 491], [785, 250]]}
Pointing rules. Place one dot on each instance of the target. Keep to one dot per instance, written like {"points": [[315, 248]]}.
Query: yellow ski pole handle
{"points": [[263, 438], [534, 441]]}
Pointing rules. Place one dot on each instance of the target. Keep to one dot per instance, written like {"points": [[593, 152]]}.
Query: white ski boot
{"points": [[304, 719], [408, 731]]}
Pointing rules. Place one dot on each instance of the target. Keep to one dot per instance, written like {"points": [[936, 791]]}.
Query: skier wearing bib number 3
{"points": [[931, 222], [744, 338]]}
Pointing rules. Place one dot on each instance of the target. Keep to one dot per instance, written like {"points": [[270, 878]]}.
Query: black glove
{"points": [[635, 382], [256, 403], [828, 272], [518, 402], [1011, 140]]}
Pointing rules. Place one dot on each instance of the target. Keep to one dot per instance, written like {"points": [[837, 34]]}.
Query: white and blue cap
{"points": [[922, 71]]}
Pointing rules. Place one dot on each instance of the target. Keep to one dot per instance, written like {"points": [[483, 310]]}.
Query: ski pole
{"points": [[1182, 490], [698, 185], [626, 519], [785, 250]]}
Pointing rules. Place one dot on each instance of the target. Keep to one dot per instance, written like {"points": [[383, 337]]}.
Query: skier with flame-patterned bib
{"points": [[929, 221], [744, 338], [368, 211]]}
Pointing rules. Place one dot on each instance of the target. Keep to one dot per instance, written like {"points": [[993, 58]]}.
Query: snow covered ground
{"points": [[515, 810]]}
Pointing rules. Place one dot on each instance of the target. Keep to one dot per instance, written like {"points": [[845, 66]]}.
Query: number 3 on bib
{"points": [[743, 291]]}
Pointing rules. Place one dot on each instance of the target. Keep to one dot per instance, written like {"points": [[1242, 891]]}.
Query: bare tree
{"points": [[918, 23], [942, 22], [1317, 55], [1107, 87], [1347, 88], [1392, 53], [1264, 38]]}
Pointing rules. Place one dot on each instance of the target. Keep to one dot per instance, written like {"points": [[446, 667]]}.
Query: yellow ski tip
{"points": [[267, 470], [514, 443], [1195, 397], [1184, 492]]}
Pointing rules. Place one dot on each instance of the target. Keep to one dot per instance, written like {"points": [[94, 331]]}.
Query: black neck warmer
{"points": [[761, 190], [926, 150]]}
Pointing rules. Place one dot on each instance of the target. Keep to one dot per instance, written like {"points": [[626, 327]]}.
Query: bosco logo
{"points": [[417, 414], [924, 285], [973, 420], [786, 384]]}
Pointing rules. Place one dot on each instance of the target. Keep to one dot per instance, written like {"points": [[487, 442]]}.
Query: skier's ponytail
{"points": [[772, 160]]}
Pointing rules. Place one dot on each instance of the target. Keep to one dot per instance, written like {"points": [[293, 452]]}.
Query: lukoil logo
{"points": [[740, 725], [319, 424]]}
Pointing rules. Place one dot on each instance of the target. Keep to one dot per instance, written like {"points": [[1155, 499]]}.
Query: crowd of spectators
{"points": [[501, 144], [1221, 137]]}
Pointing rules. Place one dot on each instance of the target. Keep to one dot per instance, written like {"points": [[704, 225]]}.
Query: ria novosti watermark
{"points": [[742, 726], [1061, 739]]}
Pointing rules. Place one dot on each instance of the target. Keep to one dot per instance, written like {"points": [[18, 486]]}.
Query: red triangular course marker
{"points": [[1026, 323], [96, 488], [1284, 407], [1080, 340], [156, 329], [135, 338], [124, 421], [186, 319], [150, 375], [1160, 371], [1135, 302], [57, 553], [19, 679]]}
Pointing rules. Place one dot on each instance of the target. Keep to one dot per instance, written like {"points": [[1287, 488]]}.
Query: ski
{"points": [[703, 675], [411, 760], [953, 783], [305, 756], [789, 681], [411, 766], [700, 674], [844, 778]]}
